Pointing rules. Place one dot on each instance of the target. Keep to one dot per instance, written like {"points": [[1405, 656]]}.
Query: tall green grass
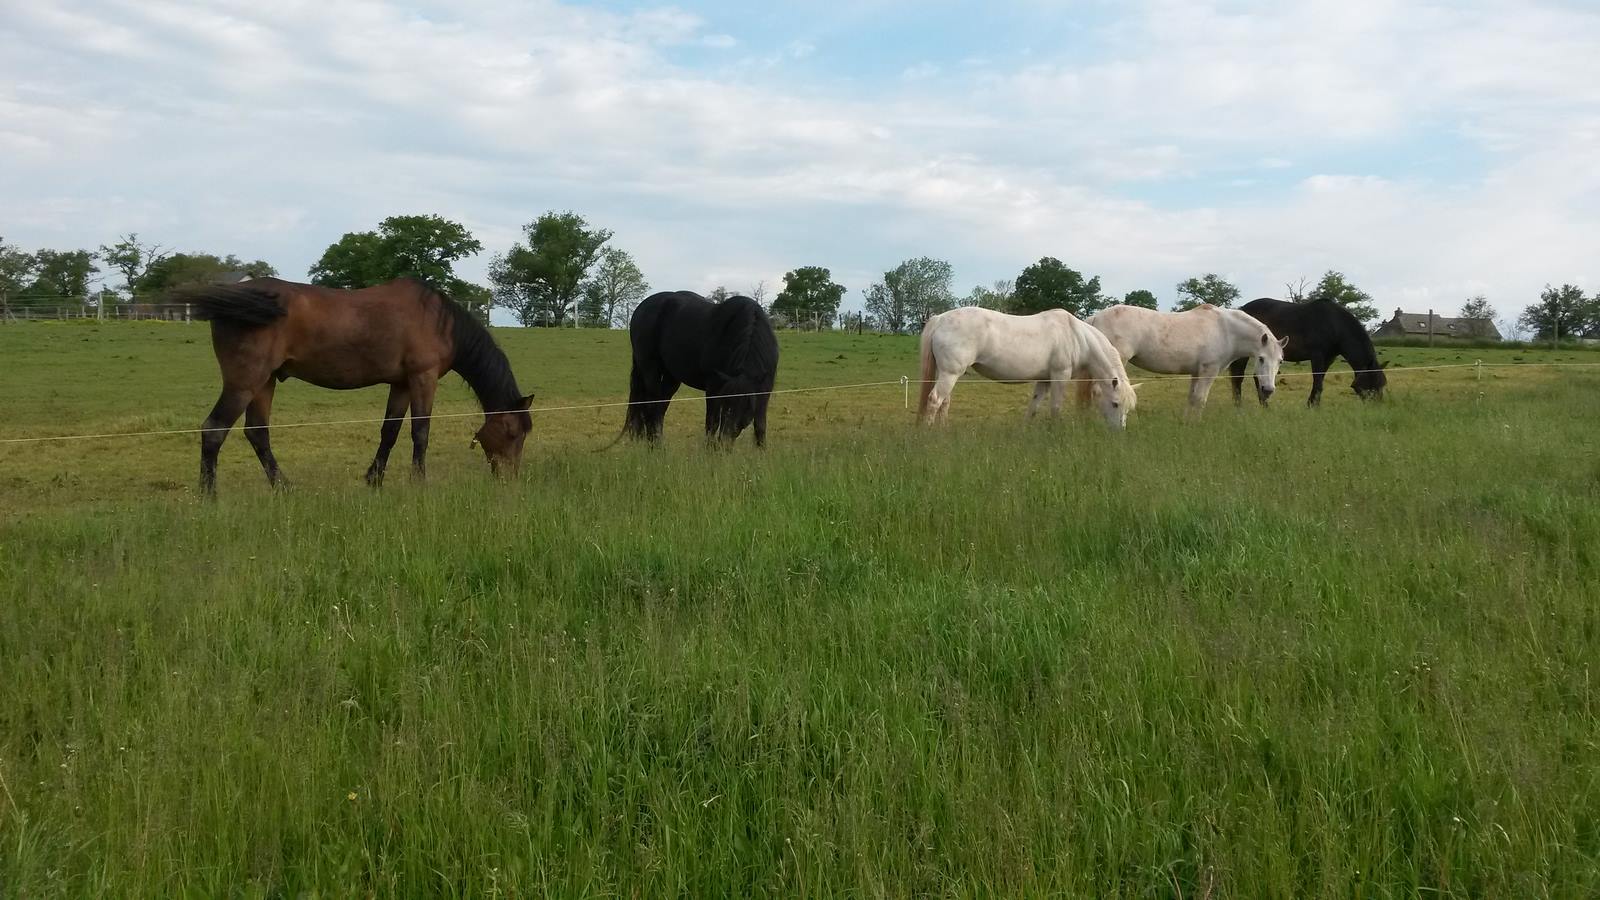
{"points": [[1347, 652]]}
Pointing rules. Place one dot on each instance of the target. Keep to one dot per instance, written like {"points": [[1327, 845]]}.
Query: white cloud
{"points": [[268, 130]]}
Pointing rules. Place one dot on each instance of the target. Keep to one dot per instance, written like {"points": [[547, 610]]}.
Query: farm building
{"points": [[1406, 324]]}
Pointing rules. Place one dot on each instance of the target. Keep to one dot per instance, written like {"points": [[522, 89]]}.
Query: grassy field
{"points": [[1290, 653]]}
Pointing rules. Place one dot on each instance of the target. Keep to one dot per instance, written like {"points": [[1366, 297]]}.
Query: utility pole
{"points": [[1430, 326]]}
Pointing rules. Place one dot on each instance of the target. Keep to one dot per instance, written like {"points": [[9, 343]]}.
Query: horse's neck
{"points": [[1357, 352], [1091, 353], [1244, 332]]}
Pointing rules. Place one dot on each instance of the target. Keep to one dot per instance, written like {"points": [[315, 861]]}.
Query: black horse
{"points": [[726, 349], [1318, 331]]}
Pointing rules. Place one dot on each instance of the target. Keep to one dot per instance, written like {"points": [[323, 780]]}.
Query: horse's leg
{"points": [[656, 413], [421, 388], [1199, 390], [393, 416], [761, 419], [1039, 391], [230, 405], [1236, 375], [715, 409], [256, 418], [1319, 370], [1058, 392], [939, 398]]}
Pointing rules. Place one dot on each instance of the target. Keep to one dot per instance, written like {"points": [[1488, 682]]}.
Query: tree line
{"points": [[565, 271]]}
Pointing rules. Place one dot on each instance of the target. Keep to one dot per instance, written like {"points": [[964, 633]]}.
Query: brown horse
{"points": [[404, 334]]}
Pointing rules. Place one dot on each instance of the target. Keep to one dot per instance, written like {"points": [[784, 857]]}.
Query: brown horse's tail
{"points": [[239, 304], [928, 369]]}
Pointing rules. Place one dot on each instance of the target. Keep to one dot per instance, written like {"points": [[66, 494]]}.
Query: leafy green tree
{"points": [[425, 247], [1562, 311], [133, 258], [910, 294], [612, 292], [16, 270], [809, 295], [1209, 288], [540, 281], [1141, 298], [719, 294], [1050, 284], [1333, 286], [180, 269], [58, 277], [1477, 308]]}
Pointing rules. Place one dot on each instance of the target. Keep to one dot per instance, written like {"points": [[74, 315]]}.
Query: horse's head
{"points": [[1369, 383], [737, 401], [1114, 400], [502, 436], [1269, 358]]}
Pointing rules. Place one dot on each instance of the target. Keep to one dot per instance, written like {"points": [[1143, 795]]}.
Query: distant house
{"points": [[1413, 325], [233, 277]]}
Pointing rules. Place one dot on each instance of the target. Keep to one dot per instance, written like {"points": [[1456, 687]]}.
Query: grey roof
{"points": [[232, 277], [1417, 323]]}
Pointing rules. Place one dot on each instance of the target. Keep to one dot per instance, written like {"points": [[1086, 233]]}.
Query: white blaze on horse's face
{"points": [[1269, 357]]}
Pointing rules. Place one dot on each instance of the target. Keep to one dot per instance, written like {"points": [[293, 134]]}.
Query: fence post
{"points": [[905, 385], [1430, 326]]}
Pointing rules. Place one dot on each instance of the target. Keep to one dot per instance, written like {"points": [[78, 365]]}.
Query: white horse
{"points": [[1050, 348], [1200, 343]]}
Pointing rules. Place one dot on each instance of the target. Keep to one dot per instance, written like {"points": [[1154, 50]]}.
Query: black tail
{"points": [[239, 304]]}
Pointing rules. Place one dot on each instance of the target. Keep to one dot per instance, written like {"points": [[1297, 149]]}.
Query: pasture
{"points": [[1285, 652]]}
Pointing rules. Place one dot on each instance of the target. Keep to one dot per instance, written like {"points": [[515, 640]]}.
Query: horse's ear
{"points": [[1135, 387], [1384, 364], [1284, 342], [527, 401], [1264, 338]]}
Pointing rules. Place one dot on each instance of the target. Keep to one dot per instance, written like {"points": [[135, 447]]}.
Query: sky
{"points": [[1430, 151]]}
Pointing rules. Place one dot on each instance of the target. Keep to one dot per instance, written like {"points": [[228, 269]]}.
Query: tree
{"points": [[540, 281], [1298, 291], [1209, 288], [1141, 298], [1561, 312], [809, 295], [1049, 284], [423, 247], [58, 276], [1333, 286], [719, 294], [133, 258], [179, 269], [997, 296], [611, 293], [910, 294], [16, 270], [1477, 308]]}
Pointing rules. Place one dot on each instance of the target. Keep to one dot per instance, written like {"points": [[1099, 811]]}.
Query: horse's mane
{"points": [[478, 359], [1354, 342], [751, 351]]}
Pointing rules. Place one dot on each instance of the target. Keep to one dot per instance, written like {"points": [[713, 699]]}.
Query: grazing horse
{"points": [[1318, 331], [728, 350], [404, 334], [1199, 342], [1051, 348]]}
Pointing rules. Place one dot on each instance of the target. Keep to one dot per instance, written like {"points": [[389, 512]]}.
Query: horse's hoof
{"points": [[374, 480]]}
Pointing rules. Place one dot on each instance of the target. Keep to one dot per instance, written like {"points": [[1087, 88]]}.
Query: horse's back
{"points": [[1001, 346]]}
